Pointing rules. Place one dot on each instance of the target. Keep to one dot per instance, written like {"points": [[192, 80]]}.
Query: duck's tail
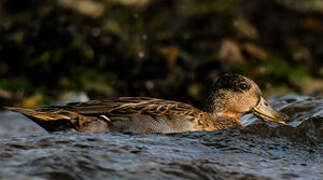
{"points": [[50, 120], [40, 114]]}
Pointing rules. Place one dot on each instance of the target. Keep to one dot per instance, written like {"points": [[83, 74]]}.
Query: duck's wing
{"points": [[130, 106], [96, 115]]}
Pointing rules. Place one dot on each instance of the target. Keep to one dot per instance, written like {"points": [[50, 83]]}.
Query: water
{"points": [[258, 151]]}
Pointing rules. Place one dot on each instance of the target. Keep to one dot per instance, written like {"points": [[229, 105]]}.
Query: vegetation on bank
{"points": [[159, 48]]}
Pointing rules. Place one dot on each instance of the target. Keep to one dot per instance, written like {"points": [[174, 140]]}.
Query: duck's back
{"points": [[125, 114]]}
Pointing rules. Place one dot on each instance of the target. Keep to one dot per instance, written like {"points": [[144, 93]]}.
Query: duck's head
{"points": [[233, 95]]}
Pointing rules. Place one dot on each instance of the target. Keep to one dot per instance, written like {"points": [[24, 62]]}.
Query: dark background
{"points": [[52, 49]]}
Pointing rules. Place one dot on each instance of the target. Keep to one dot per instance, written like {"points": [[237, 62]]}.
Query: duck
{"points": [[230, 97]]}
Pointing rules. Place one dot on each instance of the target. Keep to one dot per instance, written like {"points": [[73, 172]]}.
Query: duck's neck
{"points": [[223, 120], [220, 112], [228, 115]]}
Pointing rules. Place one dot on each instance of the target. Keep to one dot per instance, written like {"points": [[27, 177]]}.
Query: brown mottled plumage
{"points": [[231, 96]]}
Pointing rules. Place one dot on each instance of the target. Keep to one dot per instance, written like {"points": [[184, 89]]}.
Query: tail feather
{"points": [[56, 119], [51, 121], [40, 115]]}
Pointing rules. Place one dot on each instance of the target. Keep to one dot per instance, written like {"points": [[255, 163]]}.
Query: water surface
{"points": [[258, 151]]}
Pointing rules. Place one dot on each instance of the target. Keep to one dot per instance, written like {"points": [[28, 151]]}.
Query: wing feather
{"points": [[129, 106]]}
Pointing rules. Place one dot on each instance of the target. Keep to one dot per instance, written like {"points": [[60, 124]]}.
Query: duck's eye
{"points": [[243, 86]]}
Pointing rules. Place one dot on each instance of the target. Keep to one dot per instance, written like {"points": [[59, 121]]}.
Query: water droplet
{"points": [[149, 85], [144, 36], [96, 32], [141, 54]]}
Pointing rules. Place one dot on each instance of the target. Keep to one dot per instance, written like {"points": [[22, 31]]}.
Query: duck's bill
{"points": [[266, 112]]}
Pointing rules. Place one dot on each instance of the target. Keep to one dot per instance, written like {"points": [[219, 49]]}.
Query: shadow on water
{"points": [[258, 151]]}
